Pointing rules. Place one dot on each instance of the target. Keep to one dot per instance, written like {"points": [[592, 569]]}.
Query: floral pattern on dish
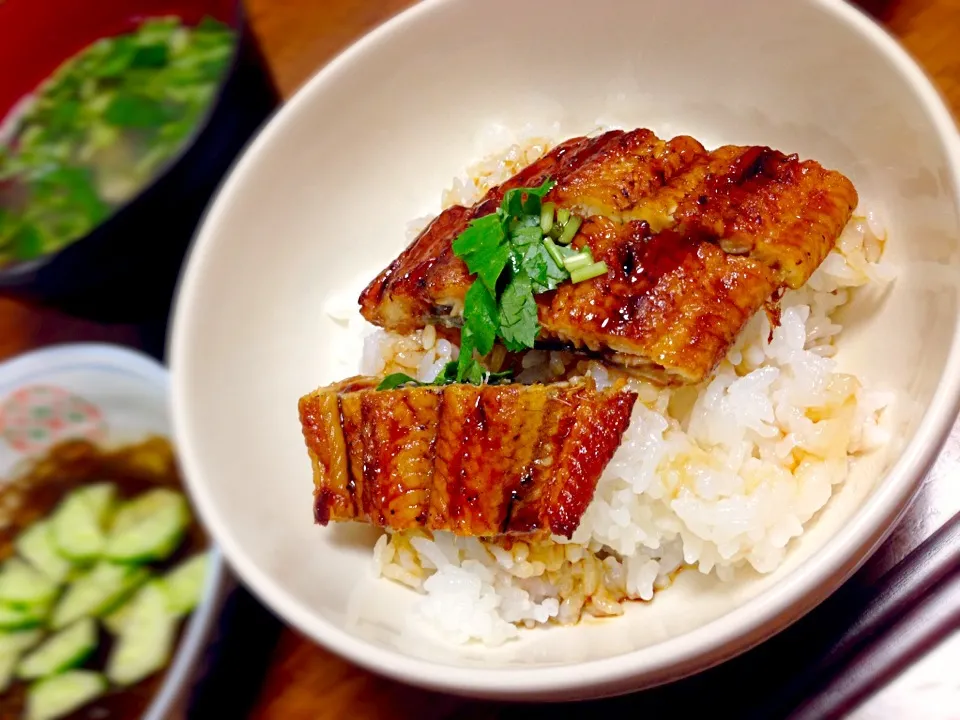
{"points": [[36, 417]]}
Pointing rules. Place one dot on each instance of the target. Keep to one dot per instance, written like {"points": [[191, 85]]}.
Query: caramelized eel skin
{"points": [[696, 242], [483, 461]]}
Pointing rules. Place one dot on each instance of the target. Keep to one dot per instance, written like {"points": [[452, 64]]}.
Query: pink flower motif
{"points": [[34, 418]]}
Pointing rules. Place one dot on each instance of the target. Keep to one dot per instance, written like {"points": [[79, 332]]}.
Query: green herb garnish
{"points": [[514, 256], [569, 230], [395, 380], [131, 110], [589, 272], [547, 216], [506, 252], [446, 376], [517, 252]]}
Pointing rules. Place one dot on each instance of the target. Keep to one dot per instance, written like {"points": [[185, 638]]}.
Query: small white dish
{"points": [[110, 395], [324, 194]]}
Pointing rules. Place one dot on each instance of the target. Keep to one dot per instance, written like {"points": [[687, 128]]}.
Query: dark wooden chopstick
{"points": [[894, 627], [933, 620], [904, 585], [800, 664]]}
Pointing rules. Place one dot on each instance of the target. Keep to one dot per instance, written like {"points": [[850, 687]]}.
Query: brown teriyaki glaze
{"points": [[696, 243], [475, 460]]}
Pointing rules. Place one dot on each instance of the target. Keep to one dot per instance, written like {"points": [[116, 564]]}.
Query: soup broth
{"points": [[96, 132]]}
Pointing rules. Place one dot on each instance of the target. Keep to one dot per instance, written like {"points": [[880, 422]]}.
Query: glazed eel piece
{"points": [[696, 242], [474, 460]]}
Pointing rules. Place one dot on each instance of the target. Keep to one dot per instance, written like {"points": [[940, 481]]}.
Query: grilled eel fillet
{"points": [[477, 460], [696, 242]]}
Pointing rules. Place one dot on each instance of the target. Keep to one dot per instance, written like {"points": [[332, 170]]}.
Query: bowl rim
{"points": [[150, 372], [710, 644]]}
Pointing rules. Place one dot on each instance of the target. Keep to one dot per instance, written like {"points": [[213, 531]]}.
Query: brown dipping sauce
{"points": [[34, 495]]}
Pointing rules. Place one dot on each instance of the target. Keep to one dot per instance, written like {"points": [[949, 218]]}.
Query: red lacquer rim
{"points": [[37, 36]]}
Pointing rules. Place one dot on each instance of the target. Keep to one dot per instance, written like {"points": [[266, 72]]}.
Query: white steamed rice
{"points": [[712, 479]]}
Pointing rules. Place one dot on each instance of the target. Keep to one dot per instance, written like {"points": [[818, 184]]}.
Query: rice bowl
{"points": [[251, 317]]}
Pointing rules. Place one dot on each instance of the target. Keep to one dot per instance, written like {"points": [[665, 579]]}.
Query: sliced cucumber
{"points": [[148, 527], [104, 587], [67, 649], [61, 695], [134, 511], [78, 522], [184, 584], [8, 663], [21, 618], [19, 641], [146, 641], [21, 585], [100, 497], [183, 587], [36, 546], [12, 646], [115, 620]]}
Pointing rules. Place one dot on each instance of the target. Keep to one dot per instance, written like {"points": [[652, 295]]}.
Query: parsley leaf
{"points": [[518, 314], [527, 260], [513, 203], [488, 266], [481, 317], [447, 375], [468, 369], [497, 377], [556, 274], [466, 351], [481, 234], [545, 274], [482, 246], [513, 261], [475, 373], [525, 236], [395, 380], [545, 187]]}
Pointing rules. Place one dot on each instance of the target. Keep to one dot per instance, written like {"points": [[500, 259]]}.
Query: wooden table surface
{"points": [[298, 37]]}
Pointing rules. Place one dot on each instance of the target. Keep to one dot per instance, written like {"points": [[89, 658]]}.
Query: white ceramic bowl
{"points": [[123, 398], [322, 198]]}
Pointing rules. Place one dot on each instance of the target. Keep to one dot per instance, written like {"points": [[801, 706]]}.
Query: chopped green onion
{"points": [[546, 216], [563, 215], [589, 272], [554, 251], [570, 229], [580, 260]]}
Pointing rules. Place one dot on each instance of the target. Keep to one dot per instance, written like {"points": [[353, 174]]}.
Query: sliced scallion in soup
{"points": [[101, 127]]}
